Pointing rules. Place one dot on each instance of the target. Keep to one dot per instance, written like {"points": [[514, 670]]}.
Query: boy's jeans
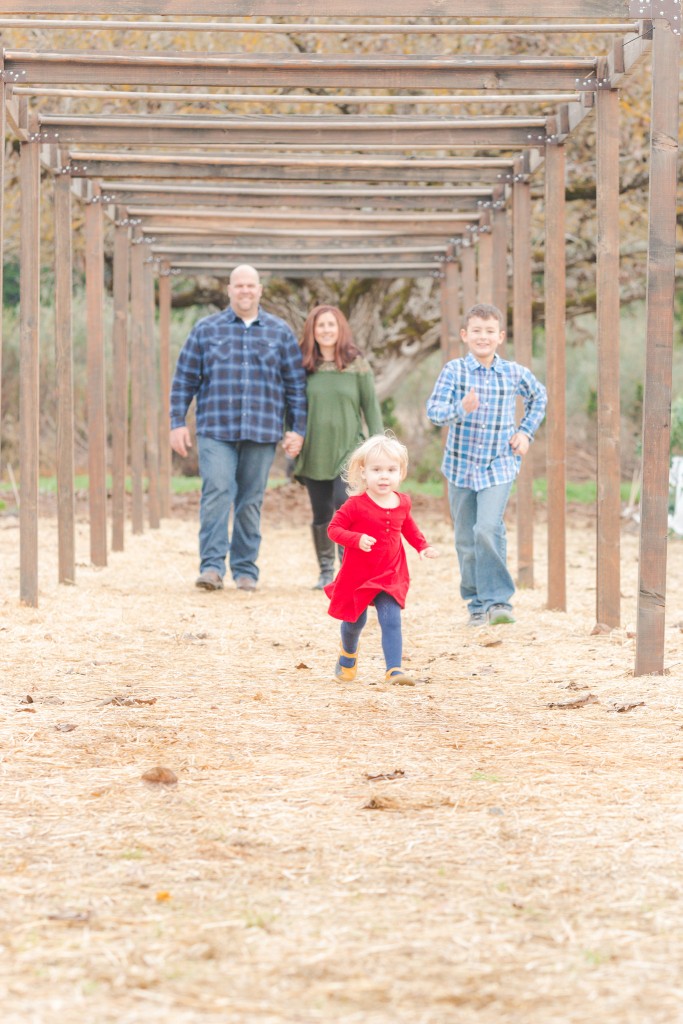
{"points": [[233, 473], [481, 545]]}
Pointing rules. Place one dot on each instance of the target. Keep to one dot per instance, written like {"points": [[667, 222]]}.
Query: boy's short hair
{"points": [[485, 311]]}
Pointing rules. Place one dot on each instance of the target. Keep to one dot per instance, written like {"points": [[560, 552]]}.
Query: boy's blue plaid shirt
{"points": [[247, 379], [478, 453]]}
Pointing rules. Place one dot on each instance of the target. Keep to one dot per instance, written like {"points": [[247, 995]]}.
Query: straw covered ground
{"points": [[472, 849]]}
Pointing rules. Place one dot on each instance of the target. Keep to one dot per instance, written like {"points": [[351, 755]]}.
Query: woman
{"points": [[341, 393]]}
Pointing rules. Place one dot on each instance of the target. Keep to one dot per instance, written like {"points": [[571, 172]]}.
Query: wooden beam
{"points": [[522, 338], [659, 351], [302, 222], [403, 133], [66, 521], [345, 28], [96, 387], [453, 307], [556, 429], [586, 10], [137, 384], [119, 392], [29, 356], [164, 293], [608, 579], [3, 135], [375, 71], [417, 171]]}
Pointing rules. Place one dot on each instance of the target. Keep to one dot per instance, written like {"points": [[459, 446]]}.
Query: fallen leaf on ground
{"points": [[129, 702], [65, 727], [302, 664], [161, 776], [600, 627], [580, 702], [29, 708], [491, 643], [620, 708], [397, 774]]}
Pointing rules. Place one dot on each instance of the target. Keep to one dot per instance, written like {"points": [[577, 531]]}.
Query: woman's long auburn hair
{"points": [[346, 350]]}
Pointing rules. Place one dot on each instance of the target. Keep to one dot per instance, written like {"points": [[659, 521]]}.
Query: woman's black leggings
{"points": [[326, 497]]}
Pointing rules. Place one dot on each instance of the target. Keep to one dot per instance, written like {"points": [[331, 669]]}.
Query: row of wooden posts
{"points": [[153, 232]]}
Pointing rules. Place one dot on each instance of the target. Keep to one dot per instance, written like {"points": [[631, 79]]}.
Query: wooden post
{"points": [[658, 358], [151, 391], [522, 337], [485, 265], [608, 579], [66, 524], [137, 390], [97, 435], [469, 276], [29, 390], [453, 307], [500, 255], [165, 385], [119, 398], [555, 305]]}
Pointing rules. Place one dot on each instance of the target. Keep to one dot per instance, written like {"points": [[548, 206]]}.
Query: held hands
{"points": [[292, 443], [519, 443], [180, 440], [471, 401], [429, 552], [366, 542]]}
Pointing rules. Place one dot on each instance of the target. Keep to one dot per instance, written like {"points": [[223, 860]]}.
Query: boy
{"points": [[476, 397]]}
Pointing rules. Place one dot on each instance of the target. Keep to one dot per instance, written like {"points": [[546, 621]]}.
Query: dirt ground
{"points": [[465, 850]]}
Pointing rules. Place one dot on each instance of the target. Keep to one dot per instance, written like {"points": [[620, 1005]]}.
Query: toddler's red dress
{"points": [[364, 574]]}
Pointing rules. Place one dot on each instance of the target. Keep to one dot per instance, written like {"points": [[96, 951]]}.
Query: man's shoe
{"points": [[245, 583], [209, 580], [478, 619], [500, 615]]}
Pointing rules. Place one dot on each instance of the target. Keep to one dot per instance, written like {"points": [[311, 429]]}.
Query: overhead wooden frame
{"points": [[662, 25]]}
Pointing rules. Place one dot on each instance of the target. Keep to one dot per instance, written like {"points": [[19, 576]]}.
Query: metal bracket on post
{"points": [[651, 10], [12, 77]]}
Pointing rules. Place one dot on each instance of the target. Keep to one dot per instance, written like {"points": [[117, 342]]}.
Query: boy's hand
{"points": [[429, 552], [366, 542], [471, 401], [519, 443]]}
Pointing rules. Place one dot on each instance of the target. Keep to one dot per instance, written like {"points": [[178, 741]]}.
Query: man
{"points": [[244, 367]]}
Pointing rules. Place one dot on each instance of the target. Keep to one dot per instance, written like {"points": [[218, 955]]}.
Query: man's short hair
{"points": [[485, 311]]}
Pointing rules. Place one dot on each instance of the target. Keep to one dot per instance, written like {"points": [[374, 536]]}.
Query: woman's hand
{"points": [[366, 542]]}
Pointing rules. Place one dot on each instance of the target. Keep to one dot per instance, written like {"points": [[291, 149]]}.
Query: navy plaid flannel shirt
{"points": [[477, 452], [249, 381]]}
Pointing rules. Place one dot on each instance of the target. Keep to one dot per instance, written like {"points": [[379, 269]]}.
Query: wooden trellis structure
{"points": [[361, 194]]}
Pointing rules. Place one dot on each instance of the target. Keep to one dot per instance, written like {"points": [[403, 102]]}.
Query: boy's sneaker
{"points": [[500, 615], [478, 619]]}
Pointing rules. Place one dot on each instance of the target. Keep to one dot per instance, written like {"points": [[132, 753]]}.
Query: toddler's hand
{"points": [[429, 553], [366, 542]]}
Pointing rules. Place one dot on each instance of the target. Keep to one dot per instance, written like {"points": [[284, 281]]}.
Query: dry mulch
{"points": [[498, 844]]}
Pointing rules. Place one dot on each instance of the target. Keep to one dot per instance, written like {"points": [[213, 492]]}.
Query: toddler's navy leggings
{"points": [[389, 615]]}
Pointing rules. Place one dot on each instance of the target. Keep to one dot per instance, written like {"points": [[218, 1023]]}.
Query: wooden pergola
{"points": [[373, 195]]}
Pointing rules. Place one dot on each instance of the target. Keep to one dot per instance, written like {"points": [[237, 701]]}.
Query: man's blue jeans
{"points": [[234, 474], [481, 545]]}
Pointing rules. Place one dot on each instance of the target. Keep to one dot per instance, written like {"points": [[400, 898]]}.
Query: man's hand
{"points": [[366, 542], [292, 443], [180, 440], [471, 401], [519, 443]]}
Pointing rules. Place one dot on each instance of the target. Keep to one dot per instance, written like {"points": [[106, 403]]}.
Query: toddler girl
{"points": [[370, 527]]}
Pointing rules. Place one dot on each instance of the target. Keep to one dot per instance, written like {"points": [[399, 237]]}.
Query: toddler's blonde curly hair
{"points": [[378, 444]]}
